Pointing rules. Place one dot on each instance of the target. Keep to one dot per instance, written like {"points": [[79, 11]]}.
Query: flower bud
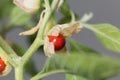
{"points": [[29, 6]]}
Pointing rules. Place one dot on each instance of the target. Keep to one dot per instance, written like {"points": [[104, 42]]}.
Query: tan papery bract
{"points": [[48, 47], [66, 29], [30, 32], [72, 29], [54, 31], [30, 6]]}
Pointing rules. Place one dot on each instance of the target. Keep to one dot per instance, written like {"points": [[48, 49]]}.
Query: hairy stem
{"points": [[19, 73], [37, 42]]}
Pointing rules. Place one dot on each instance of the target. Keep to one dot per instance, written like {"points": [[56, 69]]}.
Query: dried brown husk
{"points": [[48, 47], [30, 32], [34, 29], [66, 29]]}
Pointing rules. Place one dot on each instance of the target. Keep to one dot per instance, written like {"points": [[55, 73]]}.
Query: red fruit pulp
{"points": [[58, 41], [2, 65]]}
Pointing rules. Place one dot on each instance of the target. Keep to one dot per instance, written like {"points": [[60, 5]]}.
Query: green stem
{"points": [[46, 18], [42, 74], [19, 70], [47, 5], [72, 16], [19, 73], [36, 44], [8, 49]]}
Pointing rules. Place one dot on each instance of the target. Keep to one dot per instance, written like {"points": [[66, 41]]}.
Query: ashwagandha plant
{"points": [[77, 61]]}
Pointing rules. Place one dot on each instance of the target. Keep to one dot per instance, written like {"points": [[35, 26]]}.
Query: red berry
{"points": [[2, 65], [58, 41]]}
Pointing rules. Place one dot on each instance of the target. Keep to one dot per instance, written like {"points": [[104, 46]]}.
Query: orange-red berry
{"points": [[2, 65], [58, 41]]}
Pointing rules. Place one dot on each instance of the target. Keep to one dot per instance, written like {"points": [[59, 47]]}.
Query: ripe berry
{"points": [[2, 65], [58, 41]]}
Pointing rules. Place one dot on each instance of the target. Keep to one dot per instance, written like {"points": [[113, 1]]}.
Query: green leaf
{"points": [[108, 34], [74, 77], [92, 66], [19, 17], [76, 46], [30, 68]]}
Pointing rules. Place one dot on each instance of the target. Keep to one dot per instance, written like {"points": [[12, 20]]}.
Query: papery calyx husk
{"points": [[34, 29], [65, 30], [29, 6], [7, 70], [48, 47]]}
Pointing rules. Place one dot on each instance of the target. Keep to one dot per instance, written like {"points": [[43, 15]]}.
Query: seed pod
{"points": [[30, 6]]}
